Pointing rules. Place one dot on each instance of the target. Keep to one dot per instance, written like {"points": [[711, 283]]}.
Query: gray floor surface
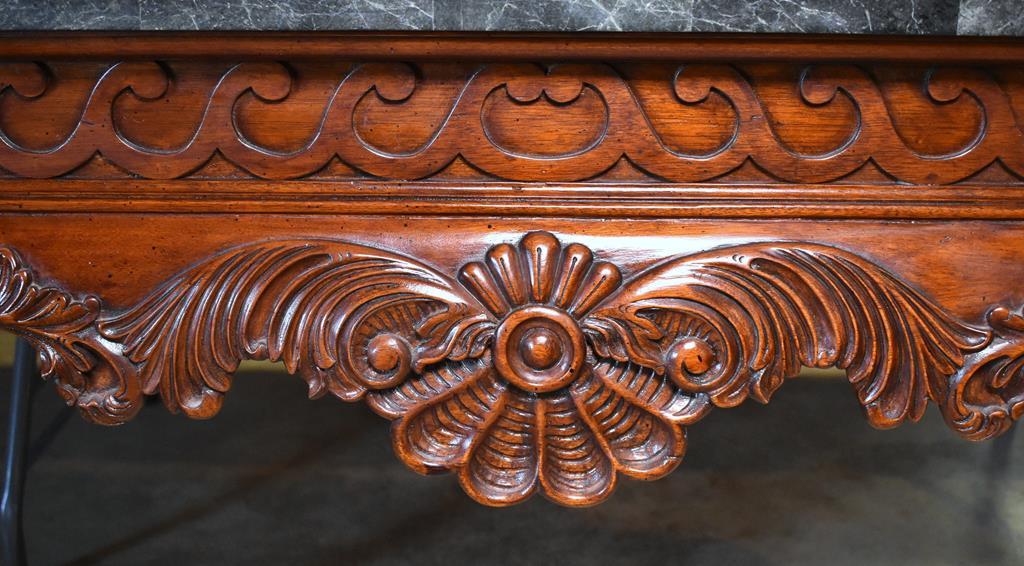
{"points": [[279, 479]]}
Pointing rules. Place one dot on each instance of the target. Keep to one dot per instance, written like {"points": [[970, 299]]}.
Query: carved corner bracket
{"points": [[538, 368]]}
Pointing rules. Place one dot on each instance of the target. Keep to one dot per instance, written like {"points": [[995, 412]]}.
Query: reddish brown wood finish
{"points": [[542, 257]]}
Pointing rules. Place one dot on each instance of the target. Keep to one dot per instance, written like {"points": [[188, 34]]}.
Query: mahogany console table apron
{"points": [[543, 258]]}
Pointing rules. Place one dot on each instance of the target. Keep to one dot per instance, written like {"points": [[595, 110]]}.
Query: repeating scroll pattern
{"points": [[627, 131], [538, 368]]}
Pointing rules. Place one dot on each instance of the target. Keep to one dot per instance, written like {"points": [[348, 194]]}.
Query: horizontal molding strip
{"points": [[557, 200], [507, 46]]}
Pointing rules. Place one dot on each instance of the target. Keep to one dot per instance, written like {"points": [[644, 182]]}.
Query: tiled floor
{"points": [[278, 479]]}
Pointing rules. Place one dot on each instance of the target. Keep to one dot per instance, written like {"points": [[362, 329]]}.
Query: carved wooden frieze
{"points": [[378, 213], [685, 121], [538, 367]]}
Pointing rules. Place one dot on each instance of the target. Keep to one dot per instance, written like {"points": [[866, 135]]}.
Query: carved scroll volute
{"points": [[988, 392], [734, 323], [345, 317]]}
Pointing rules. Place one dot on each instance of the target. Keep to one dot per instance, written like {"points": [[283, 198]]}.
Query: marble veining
{"points": [[70, 14], [578, 15], [287, 15], [932, 17], [991, 17], [827, 16]]}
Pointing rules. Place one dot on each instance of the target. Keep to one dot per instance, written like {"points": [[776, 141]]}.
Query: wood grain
{"points": [[543, 258], [539, 351], [680, 123]]}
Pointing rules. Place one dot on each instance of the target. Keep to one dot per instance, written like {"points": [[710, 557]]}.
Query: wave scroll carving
{"points": [[619, 124]]}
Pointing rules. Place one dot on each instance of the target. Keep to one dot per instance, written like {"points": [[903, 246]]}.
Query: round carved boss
{"points": [[693, 365], [539, 348]]}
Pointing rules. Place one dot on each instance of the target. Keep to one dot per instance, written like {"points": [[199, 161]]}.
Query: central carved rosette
{"points": [[535, 409], [538, 293]]}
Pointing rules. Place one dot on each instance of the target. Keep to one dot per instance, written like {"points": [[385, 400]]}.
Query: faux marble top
{"points": [[934, 17]]}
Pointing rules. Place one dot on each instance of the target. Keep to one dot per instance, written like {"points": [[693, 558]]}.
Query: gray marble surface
{"points": [[991, 17], [938, 17]]}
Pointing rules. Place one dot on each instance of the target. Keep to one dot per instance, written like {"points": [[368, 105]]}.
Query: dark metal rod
{"points": [[12, 539]]}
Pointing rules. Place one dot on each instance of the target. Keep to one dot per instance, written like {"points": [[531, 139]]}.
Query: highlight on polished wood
{"points": [[542, 267]]}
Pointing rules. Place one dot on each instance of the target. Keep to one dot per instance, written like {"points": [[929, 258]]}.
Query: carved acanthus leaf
{"points": [[345, 317], [760, 312], [537, 369]]}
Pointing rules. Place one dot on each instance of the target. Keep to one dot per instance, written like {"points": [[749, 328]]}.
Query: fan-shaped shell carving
{"points": [[533, 416], [538, 368]]}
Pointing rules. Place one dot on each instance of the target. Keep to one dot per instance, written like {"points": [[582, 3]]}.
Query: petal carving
{"points": [[437, 435], [647, 388], [541, 254], [574, 468], [640, 444], [575, 264], [503, 261], [504, 461]]}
